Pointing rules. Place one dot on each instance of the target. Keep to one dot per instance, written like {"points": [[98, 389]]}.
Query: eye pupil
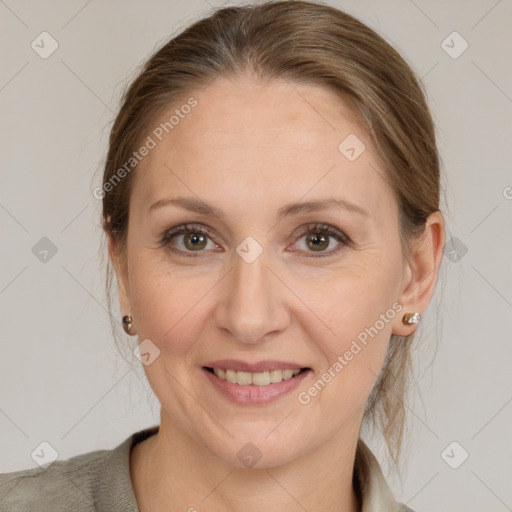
{"points": [[194, 237], [322, 241]]}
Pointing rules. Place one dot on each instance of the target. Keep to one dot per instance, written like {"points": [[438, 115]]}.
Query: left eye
{"points": [[195, 238], [318, 235], [319, 241]]}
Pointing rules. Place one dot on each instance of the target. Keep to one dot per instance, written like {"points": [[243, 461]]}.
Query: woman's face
{"points": [[265, 289]]}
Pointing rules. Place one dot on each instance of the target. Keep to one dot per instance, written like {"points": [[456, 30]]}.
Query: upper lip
{"points": [[259, 366]]}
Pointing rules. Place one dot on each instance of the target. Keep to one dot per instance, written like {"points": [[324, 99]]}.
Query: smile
{"points": [[256, 379], [268, 384]]}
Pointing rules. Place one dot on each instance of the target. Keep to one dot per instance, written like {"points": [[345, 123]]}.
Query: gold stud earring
{"points": [[411, 318]]}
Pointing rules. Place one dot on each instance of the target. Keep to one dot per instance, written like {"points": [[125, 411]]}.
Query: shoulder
{"points": [[97, 481], [70, 481]]}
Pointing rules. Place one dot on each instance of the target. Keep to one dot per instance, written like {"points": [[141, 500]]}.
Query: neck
{"points": [[172, 472]]}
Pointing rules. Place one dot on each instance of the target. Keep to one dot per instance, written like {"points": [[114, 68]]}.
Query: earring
{"points": [[127, 324], [411, 318]]}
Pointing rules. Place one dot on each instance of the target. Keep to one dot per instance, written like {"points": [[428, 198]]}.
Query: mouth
{"points": [[252, 384], [263, 378]]}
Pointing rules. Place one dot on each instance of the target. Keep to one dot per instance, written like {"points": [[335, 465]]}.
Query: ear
{"points": [[119, 263], [421, 272]]}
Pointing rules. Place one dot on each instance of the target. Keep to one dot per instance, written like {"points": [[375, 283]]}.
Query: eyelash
{"points": [[323, 229]]}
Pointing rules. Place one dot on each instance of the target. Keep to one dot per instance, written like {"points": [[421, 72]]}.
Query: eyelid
{"points": [[182, 229]]}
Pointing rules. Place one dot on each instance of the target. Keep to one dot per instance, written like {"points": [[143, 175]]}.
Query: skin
{"points": [[249, 148]]}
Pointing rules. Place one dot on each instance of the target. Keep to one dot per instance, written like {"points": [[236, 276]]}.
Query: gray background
{"points": [[62, 378]]}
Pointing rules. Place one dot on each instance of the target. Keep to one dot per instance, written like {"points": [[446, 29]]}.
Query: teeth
{"points": [[260, 379], [257, 379], [243, 378]]}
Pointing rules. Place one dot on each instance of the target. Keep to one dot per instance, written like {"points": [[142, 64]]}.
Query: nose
{"points": [[253, 307]]}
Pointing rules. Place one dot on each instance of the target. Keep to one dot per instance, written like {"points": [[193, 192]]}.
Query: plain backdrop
{"points": [[62, 378]]}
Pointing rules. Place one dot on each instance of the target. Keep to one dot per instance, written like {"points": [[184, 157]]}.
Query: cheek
{"points": [[358, 314], [164, 304], [353, 357], [354, 297]]}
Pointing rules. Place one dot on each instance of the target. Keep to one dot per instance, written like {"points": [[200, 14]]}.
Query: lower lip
{"points": [[255, 395]]}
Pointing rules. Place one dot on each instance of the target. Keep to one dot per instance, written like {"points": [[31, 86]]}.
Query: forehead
{"points": [[260, 140]]}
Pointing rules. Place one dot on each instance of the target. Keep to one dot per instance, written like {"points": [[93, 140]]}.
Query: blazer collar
{"points": [[374, 492], [370, 484]]}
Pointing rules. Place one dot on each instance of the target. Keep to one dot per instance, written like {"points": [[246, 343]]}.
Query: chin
{"points": [[260, 447], [257, 456]]}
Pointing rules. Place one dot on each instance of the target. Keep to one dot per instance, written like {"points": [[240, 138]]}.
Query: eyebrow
{"points": [[197, 206]]}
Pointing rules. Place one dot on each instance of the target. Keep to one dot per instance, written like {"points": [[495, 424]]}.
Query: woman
{"points": [[271, 205]]}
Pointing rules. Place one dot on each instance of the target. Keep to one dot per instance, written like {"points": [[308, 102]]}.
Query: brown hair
{"points": [[303, 42]]}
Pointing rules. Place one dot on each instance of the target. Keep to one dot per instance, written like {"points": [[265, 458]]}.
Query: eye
{"points": [[317, 239], [195, 238]]}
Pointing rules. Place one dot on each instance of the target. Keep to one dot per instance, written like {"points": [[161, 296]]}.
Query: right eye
{"points": [[195, 238]]}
